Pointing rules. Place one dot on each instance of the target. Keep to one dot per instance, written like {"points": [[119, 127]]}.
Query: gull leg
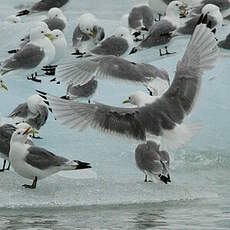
{"points": [[3, 167], [146, 178], [33, 186], [32, 77], [8, 168]]}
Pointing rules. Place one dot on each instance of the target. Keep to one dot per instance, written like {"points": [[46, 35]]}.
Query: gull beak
{"points": [[3, 85], [50, 36], [93, 33], [27, 131], [126, 101]]}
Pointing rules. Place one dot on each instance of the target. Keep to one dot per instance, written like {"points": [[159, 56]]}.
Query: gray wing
{"points": [[45, 5], [6, 132], [147, 158], [167, 1], [104, 67], [79, 36], [21, 110], [190, 25], [43, 159], [160, 33], [111, 46], [142, 13], [164, 113], [85, 90], [222, 4], [40, 119], [27, 58], [55, 23]]}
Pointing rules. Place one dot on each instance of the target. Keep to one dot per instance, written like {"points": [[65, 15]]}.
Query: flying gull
{"points": [[164, 117], [43, 5], [214, 16], [105, 67], [153, 162], [34, 112], [87, 34], [163, 31], [35, 54], [35, 163]]}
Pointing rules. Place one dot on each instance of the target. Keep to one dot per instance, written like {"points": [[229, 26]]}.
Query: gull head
{"points": [[39, 33], [34, 102], [55, 13], [57, 35], [3, 85], [21, 135], [176, 9], [123, 33], [87, 22], [139, 98], [214, 11]]}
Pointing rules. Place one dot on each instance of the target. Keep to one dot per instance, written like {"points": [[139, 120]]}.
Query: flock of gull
{"points": [[156, 118]]}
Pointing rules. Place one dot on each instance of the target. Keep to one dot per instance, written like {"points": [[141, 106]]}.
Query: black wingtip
{"points": [[50, 110], [83, 165], [209, 24], [200, 19], [22, 13], [134, 50], [12, 51], [214, 31], [65, 97], [44, 97], [41, 92], [205, 19]]}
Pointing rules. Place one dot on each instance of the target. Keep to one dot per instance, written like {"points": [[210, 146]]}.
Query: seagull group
{"points": [[155, 120]]}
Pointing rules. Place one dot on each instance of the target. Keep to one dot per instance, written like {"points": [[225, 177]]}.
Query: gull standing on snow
{"points": [[56, 19], [37, 163], [43, 5], [214, 16], [81, 91], [34, 112], [153, 162], [162, 118], [163, 31], [119, 44], [6, 131], [34, 55], [87, 34]]}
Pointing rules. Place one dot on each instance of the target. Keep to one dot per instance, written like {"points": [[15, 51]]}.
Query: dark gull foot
{"points": [[33, 186]]}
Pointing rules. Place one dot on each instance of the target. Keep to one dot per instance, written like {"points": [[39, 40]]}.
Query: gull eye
{"points": [[122, 35], [56, 36], [42, 32], [87, 29], [129, 98], [56, 15], [177, 5], [18, 133]]}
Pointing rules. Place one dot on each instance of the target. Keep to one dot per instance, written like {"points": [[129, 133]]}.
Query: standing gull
{"points": [[153, 162], [119, 44], [163, 31], [56, 19], [224, 6], [34, 112], [87, 34], [43, 5], [214, 16], [35, 54], [164, 117], [81, 91], [37, 163]]}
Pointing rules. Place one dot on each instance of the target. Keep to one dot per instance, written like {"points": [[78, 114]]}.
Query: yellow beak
{"points": [[27, 131], [125, 101], [93, 33], [50, 36], [4, 86]]}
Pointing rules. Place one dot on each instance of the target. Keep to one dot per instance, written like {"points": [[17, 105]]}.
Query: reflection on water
{"points": [[150, 219]]}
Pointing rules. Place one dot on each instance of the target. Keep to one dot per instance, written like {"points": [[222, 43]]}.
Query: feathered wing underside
{"points": [[104, 67]]}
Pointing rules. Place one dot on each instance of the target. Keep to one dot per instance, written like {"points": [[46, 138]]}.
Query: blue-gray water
{"points": [[113, 195]]}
